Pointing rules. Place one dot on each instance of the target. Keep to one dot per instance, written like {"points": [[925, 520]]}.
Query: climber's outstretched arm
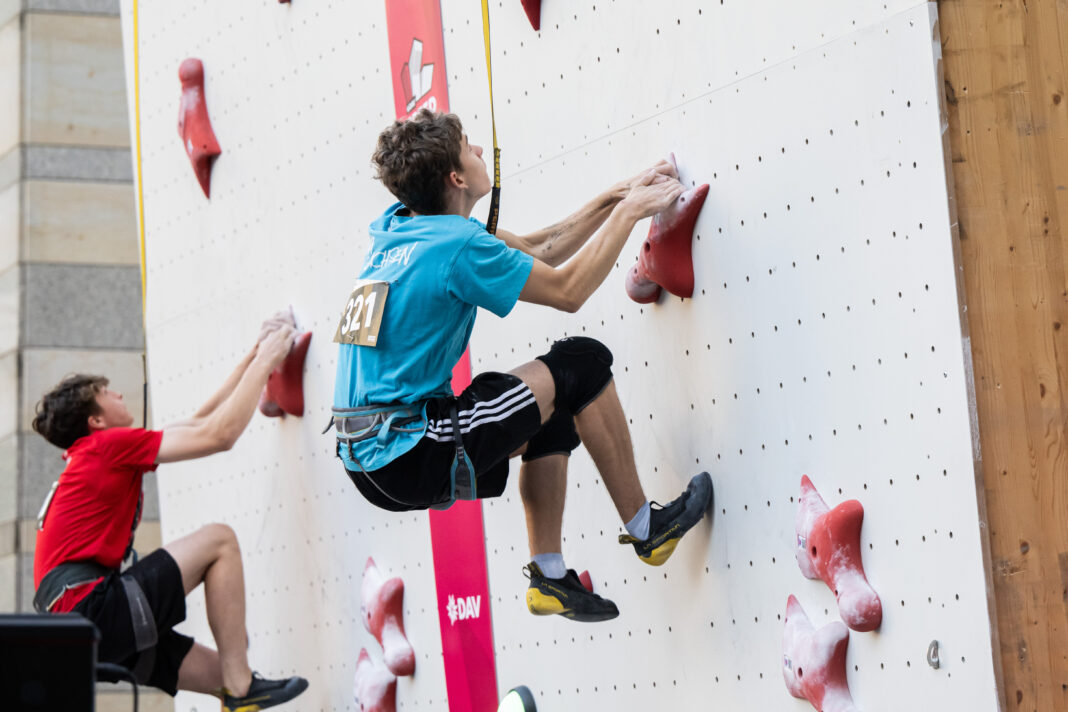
{"points": [[555, 244], [277, 320], [568, 287], [219, 430]]}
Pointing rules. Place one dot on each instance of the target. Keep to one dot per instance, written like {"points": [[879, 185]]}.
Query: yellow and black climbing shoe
{"points": [[565, 596], [263, 694], [668, 524]]}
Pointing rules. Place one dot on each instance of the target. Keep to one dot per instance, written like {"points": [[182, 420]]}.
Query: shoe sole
{"points": [[291, 690], [541, 604], [700, 490]]}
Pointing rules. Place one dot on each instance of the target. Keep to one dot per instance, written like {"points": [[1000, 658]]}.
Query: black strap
{"points": [[495, 196], [144, 628], [463, 486], [133, 528]]}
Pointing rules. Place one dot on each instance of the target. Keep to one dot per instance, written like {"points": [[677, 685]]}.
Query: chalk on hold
{"points": [[194, 126], [284, 392], [383, 615], [533, 10], [375, 688], [666, 256], [813, 661], [828, 548]]}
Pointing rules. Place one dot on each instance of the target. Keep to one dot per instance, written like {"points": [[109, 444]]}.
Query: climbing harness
{"points": [[495, 196], [72, 574], [63, 578], [78, 573], [355, 425]]}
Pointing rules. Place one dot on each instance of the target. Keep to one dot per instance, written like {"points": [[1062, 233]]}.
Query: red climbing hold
{"points": [[533, 9], [666, 257], [814, 661], [194, 126], [383, 616], [284, 392], [586, 581], [375, 688], [828, 548]]}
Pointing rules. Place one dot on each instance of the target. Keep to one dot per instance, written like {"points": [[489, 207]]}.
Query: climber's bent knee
{"points": [[556, 437], [581, 368]]}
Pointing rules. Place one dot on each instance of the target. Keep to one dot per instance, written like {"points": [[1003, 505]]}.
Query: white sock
{"points": [[551, 565], [639, 526]]}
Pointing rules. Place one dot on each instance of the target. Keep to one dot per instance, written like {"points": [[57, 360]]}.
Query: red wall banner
{"points": [[417, 61], [417, 56]]}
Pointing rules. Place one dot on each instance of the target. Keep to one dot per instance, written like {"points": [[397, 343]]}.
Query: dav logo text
{"points": [[463, 608]]}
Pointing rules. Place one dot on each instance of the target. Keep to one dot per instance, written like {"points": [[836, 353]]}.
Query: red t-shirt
{"points": [[92, 512]]}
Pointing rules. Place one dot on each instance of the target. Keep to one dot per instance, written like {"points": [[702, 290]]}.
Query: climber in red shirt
{"points": [[86, 528]]}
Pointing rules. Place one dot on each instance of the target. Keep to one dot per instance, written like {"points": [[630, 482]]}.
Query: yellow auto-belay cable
{"points": [[140, 210], [495, 196]]}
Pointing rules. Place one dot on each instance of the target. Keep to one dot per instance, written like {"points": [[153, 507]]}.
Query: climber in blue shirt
{"points": [[407, 442]]}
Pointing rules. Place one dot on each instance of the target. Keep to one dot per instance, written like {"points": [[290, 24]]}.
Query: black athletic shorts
{"points": [[498, 415], [106, 606]]}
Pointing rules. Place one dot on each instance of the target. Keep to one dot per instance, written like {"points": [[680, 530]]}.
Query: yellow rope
{"points": [[495, 199], [140, 210], [137, 148]]}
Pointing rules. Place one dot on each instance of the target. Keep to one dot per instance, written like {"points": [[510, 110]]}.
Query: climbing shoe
{"points": [[668, 524], [566, 596], [263, 694]]}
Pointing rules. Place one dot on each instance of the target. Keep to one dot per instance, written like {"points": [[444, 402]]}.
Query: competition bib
{"points": [[362, 316]]}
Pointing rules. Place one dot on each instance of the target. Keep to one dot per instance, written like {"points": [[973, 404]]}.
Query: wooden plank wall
{"points": [[1004, 65]]}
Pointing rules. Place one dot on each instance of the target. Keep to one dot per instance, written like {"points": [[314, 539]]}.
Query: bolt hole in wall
{"points": [[803, 129]]}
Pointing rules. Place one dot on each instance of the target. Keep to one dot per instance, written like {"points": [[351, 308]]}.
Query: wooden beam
{"points": [[1004, 65]]}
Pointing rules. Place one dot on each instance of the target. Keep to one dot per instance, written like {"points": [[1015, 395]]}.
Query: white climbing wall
{"points": [[824, 337]]}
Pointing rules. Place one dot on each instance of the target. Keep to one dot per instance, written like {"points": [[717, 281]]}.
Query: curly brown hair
{"points": [[62, 414], [414, 157]]}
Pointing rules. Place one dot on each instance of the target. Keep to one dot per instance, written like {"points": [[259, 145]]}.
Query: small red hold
{"points": [[586, 580], [666, 256], [375, 688], [383, 616], [533, 10], [814, 661], [828, 548], [194, 126], [284, 392]]}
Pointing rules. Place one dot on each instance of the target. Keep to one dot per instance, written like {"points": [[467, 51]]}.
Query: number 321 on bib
{"points": [[362, 316]]}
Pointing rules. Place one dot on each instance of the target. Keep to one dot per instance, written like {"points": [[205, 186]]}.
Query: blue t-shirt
{"points": [[440, 268]]}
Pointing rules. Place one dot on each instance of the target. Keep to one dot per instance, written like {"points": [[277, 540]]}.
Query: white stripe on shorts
{"points": [[488, 409], [442, 431]]}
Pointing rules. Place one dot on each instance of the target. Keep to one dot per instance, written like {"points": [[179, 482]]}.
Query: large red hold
{"points": [[666, 257], [375, 688], [533, 10], [194, 126], [814, 661], [828, 548], [284, 392], [383, 616]]}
